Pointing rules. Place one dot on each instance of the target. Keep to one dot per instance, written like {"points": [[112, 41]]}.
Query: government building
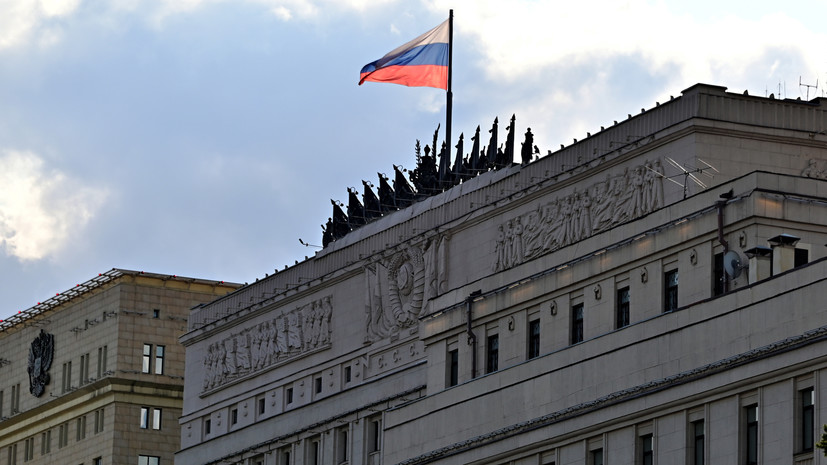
{"points": [[651, 294], [95, 374]]}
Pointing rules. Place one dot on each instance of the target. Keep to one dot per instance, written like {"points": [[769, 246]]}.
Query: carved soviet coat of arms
{"points": [[41, 353]]}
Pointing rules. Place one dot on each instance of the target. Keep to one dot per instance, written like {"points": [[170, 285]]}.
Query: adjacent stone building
{"points": [[654, 293], [94, 375]]}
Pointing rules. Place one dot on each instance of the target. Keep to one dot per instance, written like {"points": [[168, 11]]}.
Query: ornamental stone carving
{"points": [[568, 219], [271, 342], [398, 288], [812, 170], [41, 353]]}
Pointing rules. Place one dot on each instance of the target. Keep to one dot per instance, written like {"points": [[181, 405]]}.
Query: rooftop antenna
{"points": [[800, 84], [688, 172]]}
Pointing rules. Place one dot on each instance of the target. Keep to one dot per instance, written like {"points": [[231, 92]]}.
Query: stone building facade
{"points": [[650, 294], [95, 374]]}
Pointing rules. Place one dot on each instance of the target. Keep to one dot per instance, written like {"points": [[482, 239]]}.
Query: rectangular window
{"points": [[207, 427], [84, 369], [341, 445], [453, 367], [492, 353], [577, 323], [622, 308], [284, 455], [288, 396], [718, 275], [317, 385], [646, 449], [159, 360], [807, 422], [63, 436], [698, 442], [148, 460], [261, 406], [97, 461], [80, 428], [28, 449], [98, 421], [66, 381], [101, 361], [156, 419], [146, 359], [46, 442], [670, 291], [12, 454], [751, 435], [374, 442], [15, 398], [533, 339], [801, 257], [347, 374], [313, 452], [234, 416], [596, 457]]}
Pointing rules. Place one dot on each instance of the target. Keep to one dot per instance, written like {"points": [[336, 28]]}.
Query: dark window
{"points": [[261, 406], [453, 367], [284, 456], [718, 275], [207, 426], [533, 338], [374, 436], [646, 449], [317, 384], [577, 323], [751, 434], [156, 313], [234, 416], [670, 291], [622, 311], [807, 419], [801, 257], [341, 445], [698, 442], [492, 353], [288, 395], [347, 374], [597, 457]]}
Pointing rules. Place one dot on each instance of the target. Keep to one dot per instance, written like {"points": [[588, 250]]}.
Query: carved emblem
{"points": [[397, 289], [41, 353]]}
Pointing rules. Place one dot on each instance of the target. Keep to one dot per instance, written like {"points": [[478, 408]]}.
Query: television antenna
{"points": [[800, 84], [688, 172]]}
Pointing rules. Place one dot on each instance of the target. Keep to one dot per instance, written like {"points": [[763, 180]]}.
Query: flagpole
{"points": [[448, 108]]}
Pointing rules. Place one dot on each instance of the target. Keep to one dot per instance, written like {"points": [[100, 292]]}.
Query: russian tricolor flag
{"points": [[422, 62]]}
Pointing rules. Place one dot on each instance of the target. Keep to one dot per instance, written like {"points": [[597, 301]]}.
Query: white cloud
{"points": [[40, 209], [24, 20]]}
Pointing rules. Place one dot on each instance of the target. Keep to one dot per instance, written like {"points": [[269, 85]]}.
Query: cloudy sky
{"points": [[204, 138]]}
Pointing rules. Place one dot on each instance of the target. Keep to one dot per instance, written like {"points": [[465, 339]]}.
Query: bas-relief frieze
{"points": [[568, 219], [812, 170], [289, 335], [398, 288]]}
